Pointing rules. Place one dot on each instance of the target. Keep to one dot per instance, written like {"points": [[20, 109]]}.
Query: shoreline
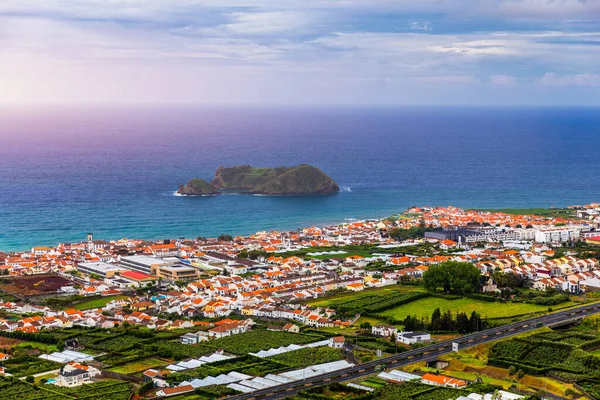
{"points": [[332, 222], [346, 220]]}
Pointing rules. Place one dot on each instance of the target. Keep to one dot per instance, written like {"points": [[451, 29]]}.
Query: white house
{"points": [[383, 330], [413, 337], [194, 337], [75, 374], [228, 329], [337, 342]]}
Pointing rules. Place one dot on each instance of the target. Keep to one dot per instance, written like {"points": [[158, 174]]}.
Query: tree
{"points": [[410, 233], [511, 370], [366, 326], [496, 395], [30, 379], [520, 374], [475, 324], [508, 280], [447, 321], [436, 320], [412, 323], [224, 238], [462, 323], [252, 254], [452, 277]]}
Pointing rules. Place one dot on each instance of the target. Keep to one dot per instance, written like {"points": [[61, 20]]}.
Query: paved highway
{"points": [[430, 352]]}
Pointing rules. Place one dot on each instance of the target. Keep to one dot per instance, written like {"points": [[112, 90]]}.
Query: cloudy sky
{"points": [[531, 52]]}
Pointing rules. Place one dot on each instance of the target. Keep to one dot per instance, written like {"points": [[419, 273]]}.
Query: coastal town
{"points": [[216, 317]]}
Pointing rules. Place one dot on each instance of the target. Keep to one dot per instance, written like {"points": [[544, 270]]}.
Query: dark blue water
{"points": [[113, 172]]}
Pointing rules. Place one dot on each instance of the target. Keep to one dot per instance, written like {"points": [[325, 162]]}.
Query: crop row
{"points": [[376, 303]]}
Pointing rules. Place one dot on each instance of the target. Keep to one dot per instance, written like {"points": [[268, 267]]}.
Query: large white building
{"points": [[554, 235], [526, 233], [491, 235], [103, 269]]}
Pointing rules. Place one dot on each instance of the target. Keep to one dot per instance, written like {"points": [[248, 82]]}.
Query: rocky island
{"points": [[301, 180], [197, 187]]}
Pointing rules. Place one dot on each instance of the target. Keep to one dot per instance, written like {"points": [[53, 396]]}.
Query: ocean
{"points": [[114, 172]]}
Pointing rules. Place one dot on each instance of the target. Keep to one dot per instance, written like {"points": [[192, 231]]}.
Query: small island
{"points": [[301, 180], [197, 187]]}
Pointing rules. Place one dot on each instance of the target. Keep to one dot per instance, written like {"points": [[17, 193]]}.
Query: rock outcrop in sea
{"points": [[197, 187], [301, 180]]}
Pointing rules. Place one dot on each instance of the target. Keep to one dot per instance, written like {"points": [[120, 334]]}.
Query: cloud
{"points": [[460, 79], [503, 79], [551, 79], [420, 26], [259, 23], [540, 9], [323, 48], [164, 9], [476, 47]]}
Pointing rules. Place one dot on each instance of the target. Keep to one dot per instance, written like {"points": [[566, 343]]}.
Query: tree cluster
{"points": [[452, 277], [509, 280], [446, 322]]}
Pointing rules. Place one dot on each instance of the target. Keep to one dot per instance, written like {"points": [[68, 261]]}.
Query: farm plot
{"points": [[138, 366], [565, 353], [424, 308], [309, 356], [108, 390]]}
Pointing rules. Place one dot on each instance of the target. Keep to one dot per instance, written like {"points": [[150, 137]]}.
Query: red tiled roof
{"points": [[138, 276]]}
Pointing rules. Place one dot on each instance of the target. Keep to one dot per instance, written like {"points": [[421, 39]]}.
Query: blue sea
{"points": [[114, 172]]}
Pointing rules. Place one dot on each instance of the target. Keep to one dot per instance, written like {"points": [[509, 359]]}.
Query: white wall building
{"points": [[555, 235], [413, 337]]}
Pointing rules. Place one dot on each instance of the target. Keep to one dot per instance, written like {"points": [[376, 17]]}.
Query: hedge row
{"points": [[506, 363]]}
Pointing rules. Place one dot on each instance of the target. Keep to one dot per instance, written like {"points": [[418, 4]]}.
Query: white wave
{"points": [[188, 195], [345, 189], [350, 219]]}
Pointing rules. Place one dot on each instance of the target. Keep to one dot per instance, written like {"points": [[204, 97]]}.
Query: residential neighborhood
{"points": [[208, 290]]}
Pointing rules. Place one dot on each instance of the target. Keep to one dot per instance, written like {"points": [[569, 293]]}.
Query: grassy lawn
{"points": [[425, 307], [326, 301], [47, 376], [139, 366], [97, 303]]}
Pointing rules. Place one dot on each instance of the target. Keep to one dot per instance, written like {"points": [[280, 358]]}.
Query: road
{"points": [[54, 371], [426, 353]]}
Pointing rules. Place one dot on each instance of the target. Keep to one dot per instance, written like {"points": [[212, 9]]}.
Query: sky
{"points": [[300, 52]]}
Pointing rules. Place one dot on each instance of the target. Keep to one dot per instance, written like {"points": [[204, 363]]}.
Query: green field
{"points": [[327, 301], [97, 303], [139, 366], [425, 307], [544, 212], [47, 348]]}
